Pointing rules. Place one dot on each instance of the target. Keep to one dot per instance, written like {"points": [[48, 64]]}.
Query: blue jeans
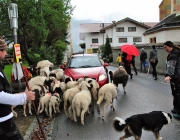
{"points": [[143, 65]]}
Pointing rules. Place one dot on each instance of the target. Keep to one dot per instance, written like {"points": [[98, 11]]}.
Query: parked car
{"points": [[80, 65]]}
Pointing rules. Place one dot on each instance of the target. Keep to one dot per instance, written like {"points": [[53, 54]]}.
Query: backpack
{"points": [[144, 56], [129, 57]]}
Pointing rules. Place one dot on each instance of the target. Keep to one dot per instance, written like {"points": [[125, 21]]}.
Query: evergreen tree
{"points": [[108, 50]]}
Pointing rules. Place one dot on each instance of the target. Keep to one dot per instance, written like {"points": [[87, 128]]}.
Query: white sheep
{"points": [[59, 74], [107, 93], [54, 104], [44, 63], [67, 98], [120, 76], [71, 84], [63, 86], [81, 102], [44, 103], [94, 91], [44, 72]]}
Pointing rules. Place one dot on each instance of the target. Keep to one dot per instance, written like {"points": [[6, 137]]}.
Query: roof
{"points": [[124, 20], [151, 24], [92, 27], [171, 21]]}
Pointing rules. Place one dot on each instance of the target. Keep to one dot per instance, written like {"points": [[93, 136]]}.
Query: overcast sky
{"points": [[115, 10]]}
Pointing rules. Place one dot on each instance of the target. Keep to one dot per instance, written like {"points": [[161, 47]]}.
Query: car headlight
{"points": [[102, 77]]}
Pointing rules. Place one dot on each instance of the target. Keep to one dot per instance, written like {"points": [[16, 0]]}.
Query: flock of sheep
{"points": [[53, 90]]}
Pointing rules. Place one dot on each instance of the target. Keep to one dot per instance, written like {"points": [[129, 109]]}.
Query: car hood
{"points": [[81, 72]]}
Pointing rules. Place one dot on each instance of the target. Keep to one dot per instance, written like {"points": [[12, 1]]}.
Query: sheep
{"points": [[81, 102], [54, 104], [59, 73], [44, 103], [67, 97], [120, 76], [94, 90], [42, 64], [107, 92], [44, 72], [63, 86], [71, 84]]}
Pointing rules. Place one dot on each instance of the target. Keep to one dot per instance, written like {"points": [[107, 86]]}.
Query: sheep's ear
{"points": [[89, 81]]}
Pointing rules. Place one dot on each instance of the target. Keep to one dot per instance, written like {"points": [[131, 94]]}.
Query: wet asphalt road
{"points": [[143, 95]]}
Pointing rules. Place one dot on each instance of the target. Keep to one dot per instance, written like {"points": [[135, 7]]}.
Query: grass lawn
{"points": [[8, 69]]}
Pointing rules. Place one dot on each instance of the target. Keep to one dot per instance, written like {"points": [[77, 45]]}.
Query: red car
{"points": [[80, 65]]}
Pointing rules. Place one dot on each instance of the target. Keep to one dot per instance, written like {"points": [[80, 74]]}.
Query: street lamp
{"points": [[13, 16]]}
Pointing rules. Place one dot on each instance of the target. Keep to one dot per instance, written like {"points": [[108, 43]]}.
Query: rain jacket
{"points": [[153, 55], [173, 64]]}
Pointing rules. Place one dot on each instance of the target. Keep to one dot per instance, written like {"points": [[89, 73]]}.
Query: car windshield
{"points": [[84, 62]]}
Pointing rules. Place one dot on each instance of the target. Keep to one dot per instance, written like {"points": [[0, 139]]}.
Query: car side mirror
{"points": [[106, 64]]}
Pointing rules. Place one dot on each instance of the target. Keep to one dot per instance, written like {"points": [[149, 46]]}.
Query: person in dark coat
{"points": [[127, 64], [143, 57], [133, 64], [173, 74], [153, 55]]}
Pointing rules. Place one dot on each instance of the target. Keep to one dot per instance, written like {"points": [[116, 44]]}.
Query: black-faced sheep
{"points": [[59, 73], [107, 93], [81, 102], [120, 76]]}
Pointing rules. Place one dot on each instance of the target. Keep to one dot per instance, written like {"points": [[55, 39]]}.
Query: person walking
{"points": [[173, 74], [8, 128], [119, 59], [143, 57], [133, 64], [126, 58], [153, 60]]}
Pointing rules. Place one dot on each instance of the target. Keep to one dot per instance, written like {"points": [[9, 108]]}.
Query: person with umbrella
{"points": [[127, 58]]}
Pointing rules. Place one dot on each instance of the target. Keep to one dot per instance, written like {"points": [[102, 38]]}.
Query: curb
{"points": [[48, 129]]}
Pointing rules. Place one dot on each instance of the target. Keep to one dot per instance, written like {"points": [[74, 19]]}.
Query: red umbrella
{"points": [[129, 49]]}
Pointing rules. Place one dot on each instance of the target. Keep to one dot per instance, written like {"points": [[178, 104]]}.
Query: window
{"points": [[122, 40], [153, 40], [95, 40], [120, 29], [110, 40], [136, 39], [95, 50], [131, 29]]}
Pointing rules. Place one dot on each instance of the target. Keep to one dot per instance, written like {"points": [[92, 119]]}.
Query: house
{"points": [[121, 32]]}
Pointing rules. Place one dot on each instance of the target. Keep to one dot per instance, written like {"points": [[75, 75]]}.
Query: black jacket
{"points": [[4, 86], [173, 64]]}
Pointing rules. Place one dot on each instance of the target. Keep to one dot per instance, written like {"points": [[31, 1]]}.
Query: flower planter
{"points": [[15, 85]]}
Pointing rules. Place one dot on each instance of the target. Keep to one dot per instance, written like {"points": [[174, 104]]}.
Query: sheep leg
{"points": [[24, 108], [46, 110], [99, 102], [105, 106], [14, 112], [39, 107], [54, 107], [70, 112], [29, 107], [42, 107], [112, 104], [57, 109], [82, 115], [74, 115], [124, 88], [65, 109], [50, 111]]}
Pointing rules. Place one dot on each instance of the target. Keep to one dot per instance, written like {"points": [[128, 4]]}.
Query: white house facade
{"points": [[122, 32]]}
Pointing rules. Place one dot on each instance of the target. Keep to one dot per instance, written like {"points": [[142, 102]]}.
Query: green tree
{"points": [[42, 28], [108, 50]]}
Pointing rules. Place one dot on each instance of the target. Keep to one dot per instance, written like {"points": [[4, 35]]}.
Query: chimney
{"points": [[113, 22]]}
